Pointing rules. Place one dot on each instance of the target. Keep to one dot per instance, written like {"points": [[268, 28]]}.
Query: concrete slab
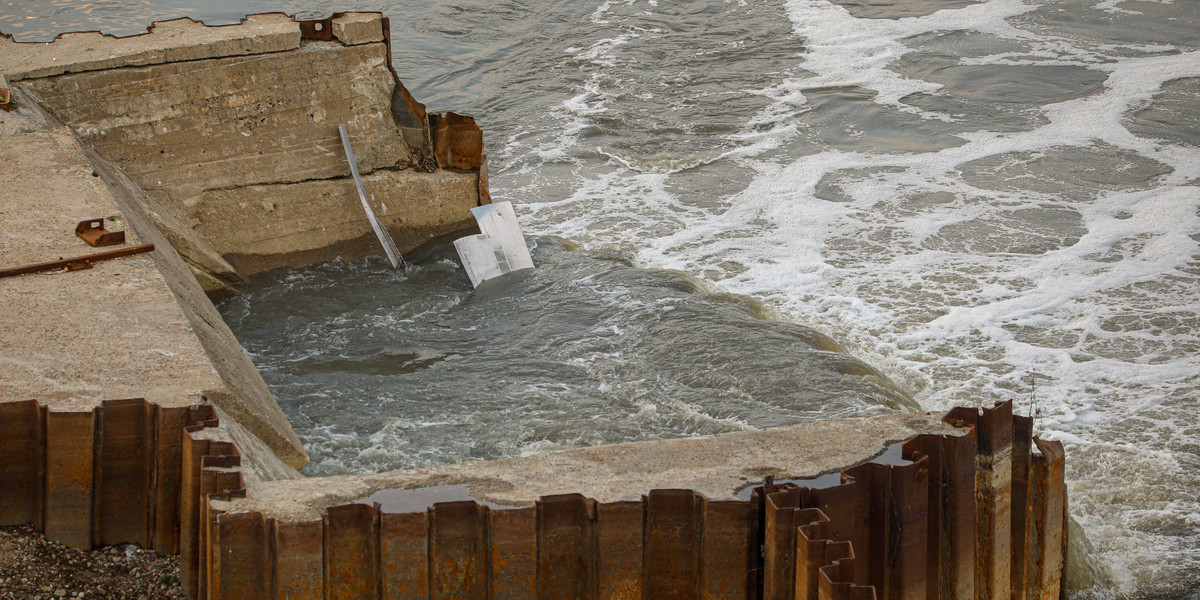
{"points": [[74, 339], [358, 28], [716, 466], [168, 41]]}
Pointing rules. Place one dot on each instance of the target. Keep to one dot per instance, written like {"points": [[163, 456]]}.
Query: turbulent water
{"points": [[983, 200]]}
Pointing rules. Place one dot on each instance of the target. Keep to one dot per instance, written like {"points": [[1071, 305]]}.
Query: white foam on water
{"points": [[967, 324]]}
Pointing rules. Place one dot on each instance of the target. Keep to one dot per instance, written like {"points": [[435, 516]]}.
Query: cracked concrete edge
{"points": [[245, 397], [165, 41], [716, 466]]}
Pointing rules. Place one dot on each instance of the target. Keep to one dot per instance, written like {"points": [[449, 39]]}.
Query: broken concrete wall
{"points": [[232, 133], [902, 528]]}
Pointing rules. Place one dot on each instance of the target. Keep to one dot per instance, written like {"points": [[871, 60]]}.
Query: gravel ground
{"points": [[32, 568]]}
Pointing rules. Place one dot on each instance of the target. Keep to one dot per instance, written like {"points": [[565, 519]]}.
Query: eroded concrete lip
{"points": [[717, 467]]}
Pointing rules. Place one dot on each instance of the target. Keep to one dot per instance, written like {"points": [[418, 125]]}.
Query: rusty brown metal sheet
{"points": [[512, 536], [298, 570], [849, 510], [1045, 568], [908, 531], [457, 551], [994, 504], [189, 512], [352, 552], [168, 465], [243, 558], [724, 550], [404, 555], [671, 552], [779, 544], [6, 99], [837, 582], [566, 547], [22, 463], [457, 141], [619, 550], [76, 263], [317, 29], [69, 478], [1022, 451], [125, 449], [811, 543], [929, 447], [93, 232]]}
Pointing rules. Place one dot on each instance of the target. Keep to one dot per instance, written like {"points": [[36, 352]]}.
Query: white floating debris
{"points": [[499, 249]]}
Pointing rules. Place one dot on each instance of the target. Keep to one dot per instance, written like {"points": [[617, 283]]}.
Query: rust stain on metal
{"points": [[404, 555], [671, 555], [77, 263], [6, 103], [244, 561], [457, 141], [566, 552], [69, 478], [317, 29], [22, 463], [352, 551], [1022, 447], [93, 232], [124, 472], [512, 544], [725, 545], [457, 551], [299, 574], [619, 531]]}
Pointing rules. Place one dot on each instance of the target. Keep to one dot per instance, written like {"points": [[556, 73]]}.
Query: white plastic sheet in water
{"points": [[499, 249]]}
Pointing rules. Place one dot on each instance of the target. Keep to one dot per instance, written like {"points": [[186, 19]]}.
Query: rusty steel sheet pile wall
{"points": [[930, 526], [107, 476]]}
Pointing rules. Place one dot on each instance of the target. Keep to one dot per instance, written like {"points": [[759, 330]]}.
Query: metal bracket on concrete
{"points": [[319, 29], [93, 232], [77, 263]]}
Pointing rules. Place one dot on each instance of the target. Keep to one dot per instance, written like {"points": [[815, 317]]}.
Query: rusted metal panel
{"points": [[725, 546], [811, 543], [458, 551], [958, 516], [1022, 450], [352, 552], [837, 582], [299, 572], [189, 513], [457, 141], [566, 551], [848, 507], [243, 558], [22, 463], [671, 554], [168, 473], [404, 555], [1047, 556], [512, 536], [908, 530], [69, 478], [929, 448], [619, 529], [125, 432], [994, 504], [779, 544]]}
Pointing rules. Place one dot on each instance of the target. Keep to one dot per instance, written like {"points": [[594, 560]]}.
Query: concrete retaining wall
{"points": [[232, 133]]}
